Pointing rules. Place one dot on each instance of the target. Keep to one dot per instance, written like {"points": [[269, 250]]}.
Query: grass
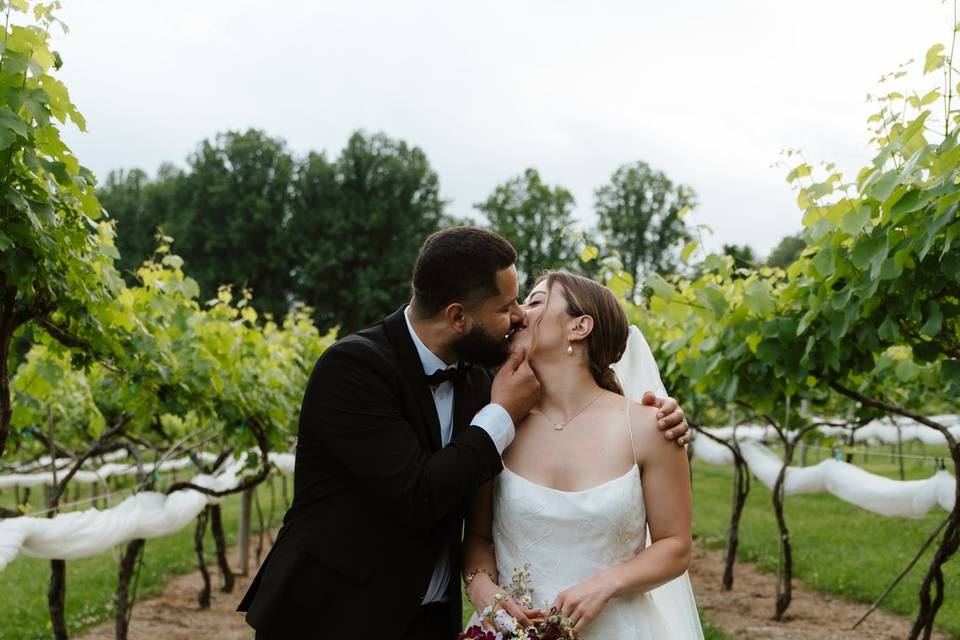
{"points": [[710, 632], [92, 582], [837, 548]]}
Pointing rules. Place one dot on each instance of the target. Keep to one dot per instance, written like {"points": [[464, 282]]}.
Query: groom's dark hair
{"points": [[458, 264]]}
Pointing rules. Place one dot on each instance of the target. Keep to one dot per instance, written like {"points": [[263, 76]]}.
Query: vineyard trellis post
{"points": [[243, 561]]}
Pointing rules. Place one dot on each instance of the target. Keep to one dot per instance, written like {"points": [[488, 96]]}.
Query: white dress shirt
{"points": [[493, 419]]}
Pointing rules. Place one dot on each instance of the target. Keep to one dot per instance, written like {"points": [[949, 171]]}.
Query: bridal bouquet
{"points": [[551, 627]]}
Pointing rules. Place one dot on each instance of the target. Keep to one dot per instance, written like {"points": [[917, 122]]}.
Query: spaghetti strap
{"points": [[633, 447]]}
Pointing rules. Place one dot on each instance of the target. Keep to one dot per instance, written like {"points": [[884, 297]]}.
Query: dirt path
{"points": [[175, 616], [743, 613]]}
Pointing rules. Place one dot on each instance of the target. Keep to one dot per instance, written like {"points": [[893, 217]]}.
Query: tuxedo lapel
{"points": [[399, 336]]}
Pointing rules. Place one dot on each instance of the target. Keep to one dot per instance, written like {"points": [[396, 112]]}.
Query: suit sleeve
{"points": [[350, 408]]}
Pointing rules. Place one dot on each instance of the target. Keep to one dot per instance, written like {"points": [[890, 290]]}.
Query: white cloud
{"points": [[710, 92]]}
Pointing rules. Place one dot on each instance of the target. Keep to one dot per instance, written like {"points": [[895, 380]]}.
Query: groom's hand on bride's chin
{"points": [[515, 387], [670, 418]]}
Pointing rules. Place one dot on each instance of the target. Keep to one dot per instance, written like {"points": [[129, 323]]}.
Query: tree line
{"points": [[340, 233]]}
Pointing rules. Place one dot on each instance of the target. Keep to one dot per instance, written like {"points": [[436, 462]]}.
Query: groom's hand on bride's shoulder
{"points": [[515, 387], [670, 418]]}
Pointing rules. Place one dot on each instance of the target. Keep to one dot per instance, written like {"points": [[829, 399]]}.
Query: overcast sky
{"points": [[708, 92]]}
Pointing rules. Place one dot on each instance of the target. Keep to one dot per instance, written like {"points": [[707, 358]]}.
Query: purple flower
{"points": [[476, 633]]}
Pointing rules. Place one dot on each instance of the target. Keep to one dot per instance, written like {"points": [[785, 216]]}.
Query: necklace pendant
{"points": [[558, 427]]}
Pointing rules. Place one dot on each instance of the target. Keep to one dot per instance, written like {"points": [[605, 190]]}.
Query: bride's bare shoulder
{"points": [[643, 423]]}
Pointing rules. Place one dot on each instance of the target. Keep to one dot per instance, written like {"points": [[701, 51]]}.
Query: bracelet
{"points": [[470, 577]]}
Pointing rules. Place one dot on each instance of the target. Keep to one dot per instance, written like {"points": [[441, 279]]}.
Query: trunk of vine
{"points": [[203, 598], [56, 591], [55, 598], [6, 403], [785, 575], [216, 527], [741, 487], [260, 530], [126, 595], [933, 581], [950, 542], [273, 505]]}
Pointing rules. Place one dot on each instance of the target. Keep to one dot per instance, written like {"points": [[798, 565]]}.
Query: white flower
{"points": [[505, 621]]}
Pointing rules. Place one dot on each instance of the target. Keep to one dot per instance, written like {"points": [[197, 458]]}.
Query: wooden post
{"points": [[246, 502], [903, 474], [804, 411]]}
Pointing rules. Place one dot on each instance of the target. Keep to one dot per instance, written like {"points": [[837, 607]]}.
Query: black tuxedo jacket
{"points": [[376, 498]]}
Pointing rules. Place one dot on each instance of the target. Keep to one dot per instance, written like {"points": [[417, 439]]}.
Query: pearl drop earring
{"points": [[569, 349]]}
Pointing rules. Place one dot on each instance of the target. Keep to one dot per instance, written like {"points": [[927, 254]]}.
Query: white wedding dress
{"points": [[568, 536]]}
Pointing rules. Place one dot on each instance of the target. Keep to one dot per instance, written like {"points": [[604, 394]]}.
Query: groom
{"points": [[400, 424]]}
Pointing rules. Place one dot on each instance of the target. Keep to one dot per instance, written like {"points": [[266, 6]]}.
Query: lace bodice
{"points": [[567, 537], [602, 526]]}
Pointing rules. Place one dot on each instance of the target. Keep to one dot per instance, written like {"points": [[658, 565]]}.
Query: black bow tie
{"points": [[447, 375]]}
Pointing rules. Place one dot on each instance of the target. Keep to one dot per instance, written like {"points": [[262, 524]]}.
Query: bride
{"points": [[586, 477]]}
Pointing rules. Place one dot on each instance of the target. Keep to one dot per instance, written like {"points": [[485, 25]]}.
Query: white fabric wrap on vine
{"points": [[148, 514], [39, 474], [881, 495]]}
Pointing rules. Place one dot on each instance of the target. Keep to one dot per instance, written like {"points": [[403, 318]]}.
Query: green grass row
{"points": [[92, 582], [837, 548]]}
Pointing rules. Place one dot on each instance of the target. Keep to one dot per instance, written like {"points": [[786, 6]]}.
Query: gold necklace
{"points": [[560, 425]]}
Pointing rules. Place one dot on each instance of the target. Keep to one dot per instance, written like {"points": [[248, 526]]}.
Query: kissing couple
{"points": [[415, 466]]}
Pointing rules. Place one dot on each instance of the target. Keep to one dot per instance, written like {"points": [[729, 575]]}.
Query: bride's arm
{"points": [[665, 474], [666, 493], [480, 560]]}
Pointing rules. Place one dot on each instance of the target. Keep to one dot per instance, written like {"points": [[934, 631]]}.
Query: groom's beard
{"points": [[480, 348]]}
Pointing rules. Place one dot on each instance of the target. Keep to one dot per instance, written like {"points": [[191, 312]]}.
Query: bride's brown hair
{"points": [[608, 339]]}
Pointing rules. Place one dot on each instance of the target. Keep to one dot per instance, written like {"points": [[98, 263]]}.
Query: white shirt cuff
{"points": [[498, 424]]}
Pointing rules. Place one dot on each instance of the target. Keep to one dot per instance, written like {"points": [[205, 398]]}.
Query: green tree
{"points": [[786, 251], [356, 226], [141, 206], [868, 313], [536, 219], [187, 371], [743, 255], [228, 214], [640, 216], [56, 256]]}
